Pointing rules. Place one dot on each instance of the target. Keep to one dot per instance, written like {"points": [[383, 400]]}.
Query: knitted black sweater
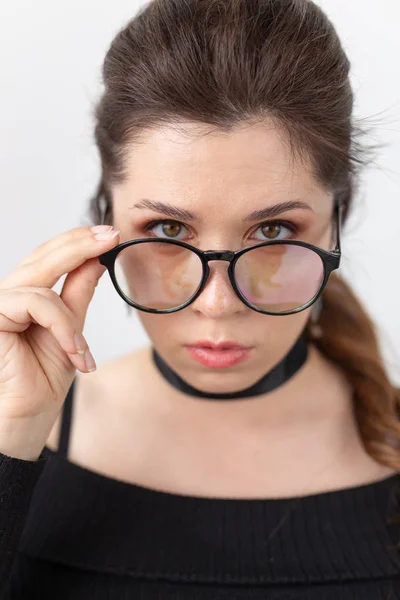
{"points": [[69, 533]]}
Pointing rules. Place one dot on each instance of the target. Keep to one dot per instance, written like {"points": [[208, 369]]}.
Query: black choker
{"points": [[281, 373]]}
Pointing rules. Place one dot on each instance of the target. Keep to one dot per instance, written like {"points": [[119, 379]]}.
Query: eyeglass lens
{"points": [[275, 279]]}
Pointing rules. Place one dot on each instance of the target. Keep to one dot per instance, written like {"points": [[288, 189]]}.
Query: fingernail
{"points": [[89, 361], [107, 235], [80, 343]]}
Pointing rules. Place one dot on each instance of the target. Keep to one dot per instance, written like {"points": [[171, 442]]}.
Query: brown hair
{"points": [[227, 62]]}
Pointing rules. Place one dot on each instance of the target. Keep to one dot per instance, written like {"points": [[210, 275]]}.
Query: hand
{"points": [[41, 334]]}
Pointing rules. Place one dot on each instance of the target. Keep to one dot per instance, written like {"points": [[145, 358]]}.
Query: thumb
{"points": [[79, 286]]}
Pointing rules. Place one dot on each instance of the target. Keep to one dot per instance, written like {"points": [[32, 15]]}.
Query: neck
{"points": [[305, 398]]}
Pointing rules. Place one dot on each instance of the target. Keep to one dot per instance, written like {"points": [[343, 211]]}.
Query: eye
{"points": [[270, 230], [170, 228]]}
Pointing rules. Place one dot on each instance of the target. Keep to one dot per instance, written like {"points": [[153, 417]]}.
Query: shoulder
{"points": [[108, 388]]}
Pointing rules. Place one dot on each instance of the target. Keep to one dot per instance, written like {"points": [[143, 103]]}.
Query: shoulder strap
{"points": [[66, 420]]}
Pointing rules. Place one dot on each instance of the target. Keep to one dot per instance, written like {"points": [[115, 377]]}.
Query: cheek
{"points": [[279, 333], [274, 335], [166, 329]]}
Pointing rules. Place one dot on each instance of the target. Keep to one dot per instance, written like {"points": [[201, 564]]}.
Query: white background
{"points": [[50, 60]]}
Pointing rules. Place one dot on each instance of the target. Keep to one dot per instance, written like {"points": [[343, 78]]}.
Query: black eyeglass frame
{"points": [[330, 260]]}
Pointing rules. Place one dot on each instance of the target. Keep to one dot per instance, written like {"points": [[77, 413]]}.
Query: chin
{"points": [[214, 375], [215, 384]]}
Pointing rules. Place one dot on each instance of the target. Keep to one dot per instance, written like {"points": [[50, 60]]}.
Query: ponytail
{"points": [[349, 339]]}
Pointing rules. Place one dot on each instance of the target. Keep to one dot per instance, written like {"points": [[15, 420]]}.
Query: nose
{"points": [[218, 298]]}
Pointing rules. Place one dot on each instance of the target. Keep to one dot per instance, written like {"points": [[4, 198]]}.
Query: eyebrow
{"points": [[185, 215]]}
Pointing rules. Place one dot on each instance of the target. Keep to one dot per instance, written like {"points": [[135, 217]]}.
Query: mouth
{"points": [[218, 355], [227, 345]]}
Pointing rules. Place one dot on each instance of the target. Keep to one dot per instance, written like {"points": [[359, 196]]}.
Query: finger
{"points": [[46, 271], [18, 310], [78, 289], [49, 245]]}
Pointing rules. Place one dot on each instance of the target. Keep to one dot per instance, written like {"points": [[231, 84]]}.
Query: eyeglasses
{"points": [[274, 278]]}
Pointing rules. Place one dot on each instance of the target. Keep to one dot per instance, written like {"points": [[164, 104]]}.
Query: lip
{"points": [[227, 345], [218, 355], [218, 359]]}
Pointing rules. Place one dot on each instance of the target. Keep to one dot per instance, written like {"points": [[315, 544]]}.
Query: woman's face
{"points": [[220, 178]]}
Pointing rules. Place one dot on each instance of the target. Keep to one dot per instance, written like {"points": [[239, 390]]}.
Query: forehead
{"points": [[193, 162]]}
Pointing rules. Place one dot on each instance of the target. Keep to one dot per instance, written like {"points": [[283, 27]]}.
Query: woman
{"points": [[251, 451]]}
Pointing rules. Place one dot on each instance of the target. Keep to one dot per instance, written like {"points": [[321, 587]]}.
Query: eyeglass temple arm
{"points": [[338, 214]]}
